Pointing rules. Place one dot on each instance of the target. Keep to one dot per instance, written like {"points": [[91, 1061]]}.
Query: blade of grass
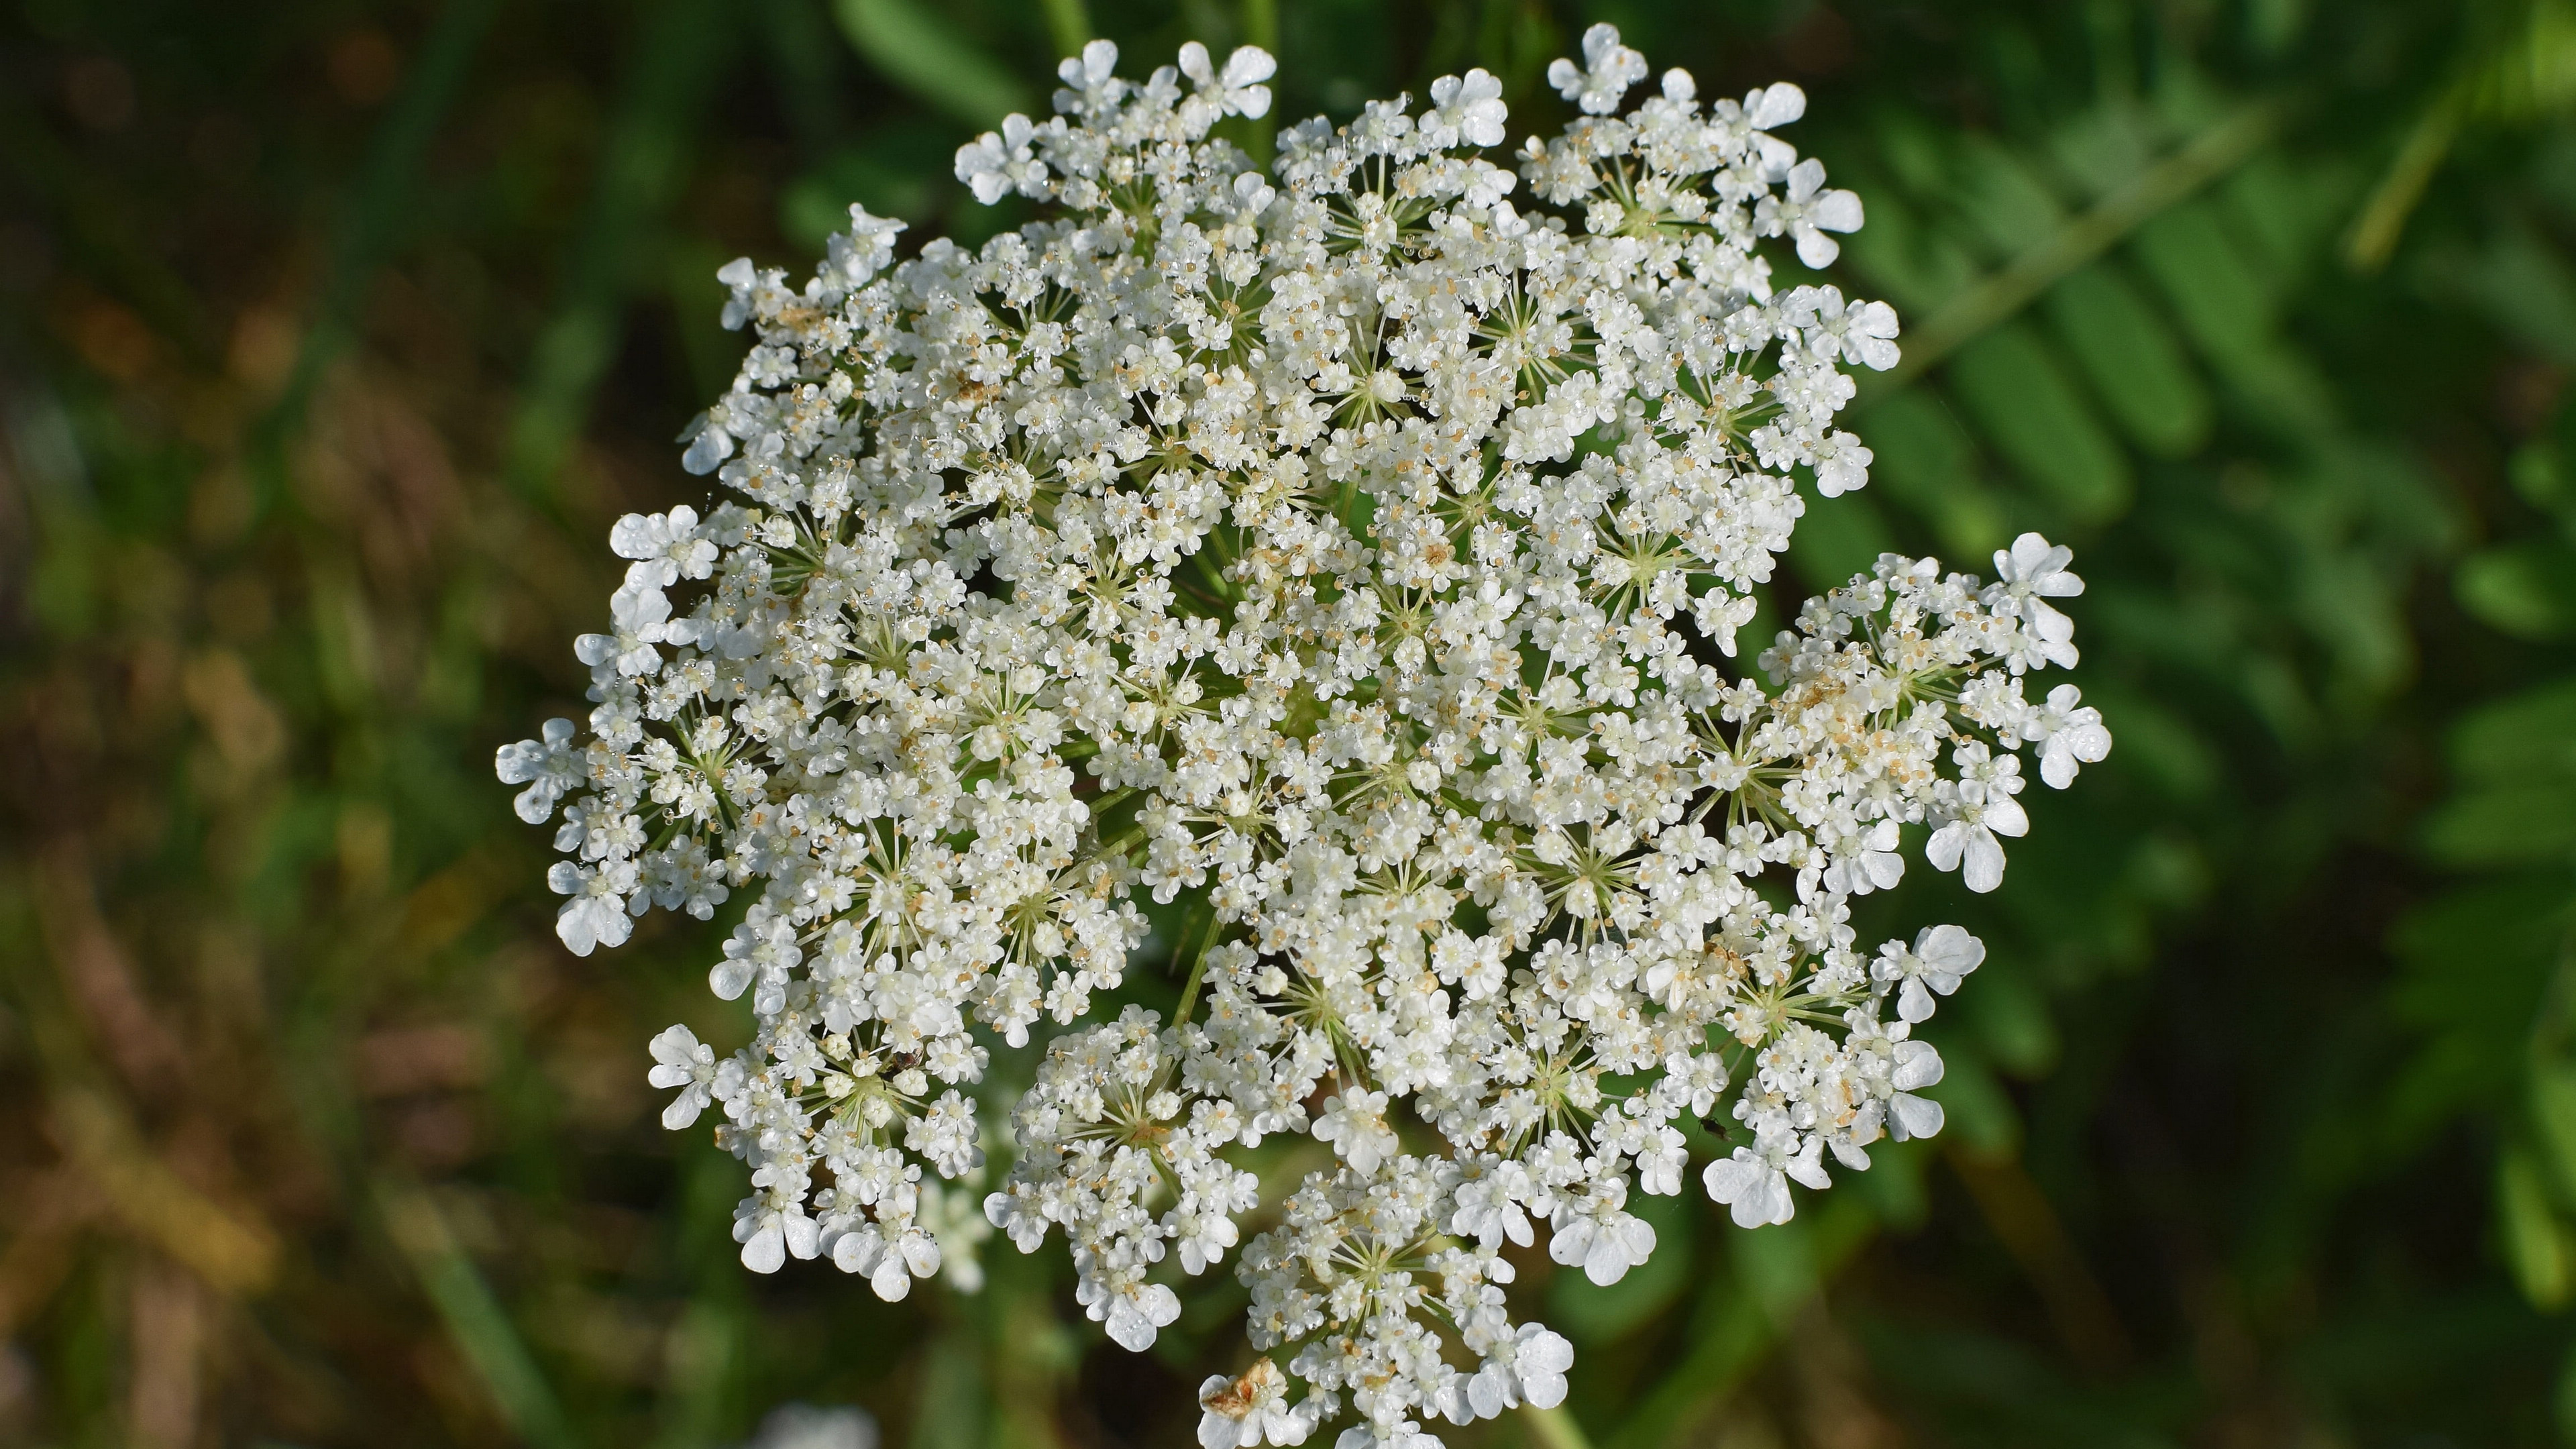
{"points": [[2027, 1224], [1743, 1315], [2515, 73], [920, 52], [682, 51], [1554, 1428], [1261, 28], [1068, 24], [2383, 216], [368, 227], [234, 1253], [474, 1318], [1198, 965]]}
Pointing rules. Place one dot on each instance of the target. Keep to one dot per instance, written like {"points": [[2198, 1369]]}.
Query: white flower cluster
{"points": [[1355, 551]]}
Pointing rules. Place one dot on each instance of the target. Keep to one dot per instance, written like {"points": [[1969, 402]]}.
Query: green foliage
{"points": [[915, 49], [333, 336]]}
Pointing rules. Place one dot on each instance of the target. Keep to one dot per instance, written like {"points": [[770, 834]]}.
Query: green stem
{"points": [[1068, 24], [476, 1322], [2211, 154], [1554, 1428], [1198, 967], [369, 228], [2383, 217], [1261, 28]]}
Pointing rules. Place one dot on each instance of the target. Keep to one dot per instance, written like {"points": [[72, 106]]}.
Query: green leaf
{"points": [[2018, 391], [2220, 295], [2285, 212], [1915, 265], [2553, 1112], [1916, 151], [2004, 199], [2104, 147], [2156, 744], [476, 1322], [1980, 1112], [2135, 364], [678, 59], [2521, 283], [2534, 1243], [2477, 966], [918, 50], [896, 170], [954, 1393], [2011, 1019], [2526, 588], [1928, 463], [2210, 282], [1838, 537], [2538, 469], [2534, 731], [2507, 824], [1777, 1264]]}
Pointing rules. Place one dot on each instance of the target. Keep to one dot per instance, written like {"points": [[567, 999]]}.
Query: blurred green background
{"points": [[334, 334]]}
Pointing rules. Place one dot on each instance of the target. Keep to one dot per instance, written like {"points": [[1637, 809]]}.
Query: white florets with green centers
{"points": [[1354, 553]]}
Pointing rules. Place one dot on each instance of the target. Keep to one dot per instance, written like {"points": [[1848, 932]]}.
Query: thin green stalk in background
{"points": [[369, 226], [2211, 154], [678, 59], [919, 50], [1261, 28], [2383, 217], [476, 1322], [1554, 1428], [1069, 22]]}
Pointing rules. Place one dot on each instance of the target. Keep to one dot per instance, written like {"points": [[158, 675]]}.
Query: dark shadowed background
{"points": [[333, 335]]}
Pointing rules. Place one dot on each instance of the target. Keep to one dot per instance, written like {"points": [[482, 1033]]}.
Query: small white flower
{"points": [[597, 914], [1608, 69], [1967, 842], [1529, 1368], [666, 547], [1842, 464], [1910, 1116], [1858, 332], [681, 1060], [548, 766], [2034, 571], [1136, 1313], [1238, 89], [1941, 958], [1605, 1244], [742, 279], [771, 1224], [2070, 735], [1540, 1358], [1753, 1188], [1091, 80], [1774, 105], [1355, 1123], [709, 443], [1809, 211], [1466, 108], [852, 257], [994, 164]]}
